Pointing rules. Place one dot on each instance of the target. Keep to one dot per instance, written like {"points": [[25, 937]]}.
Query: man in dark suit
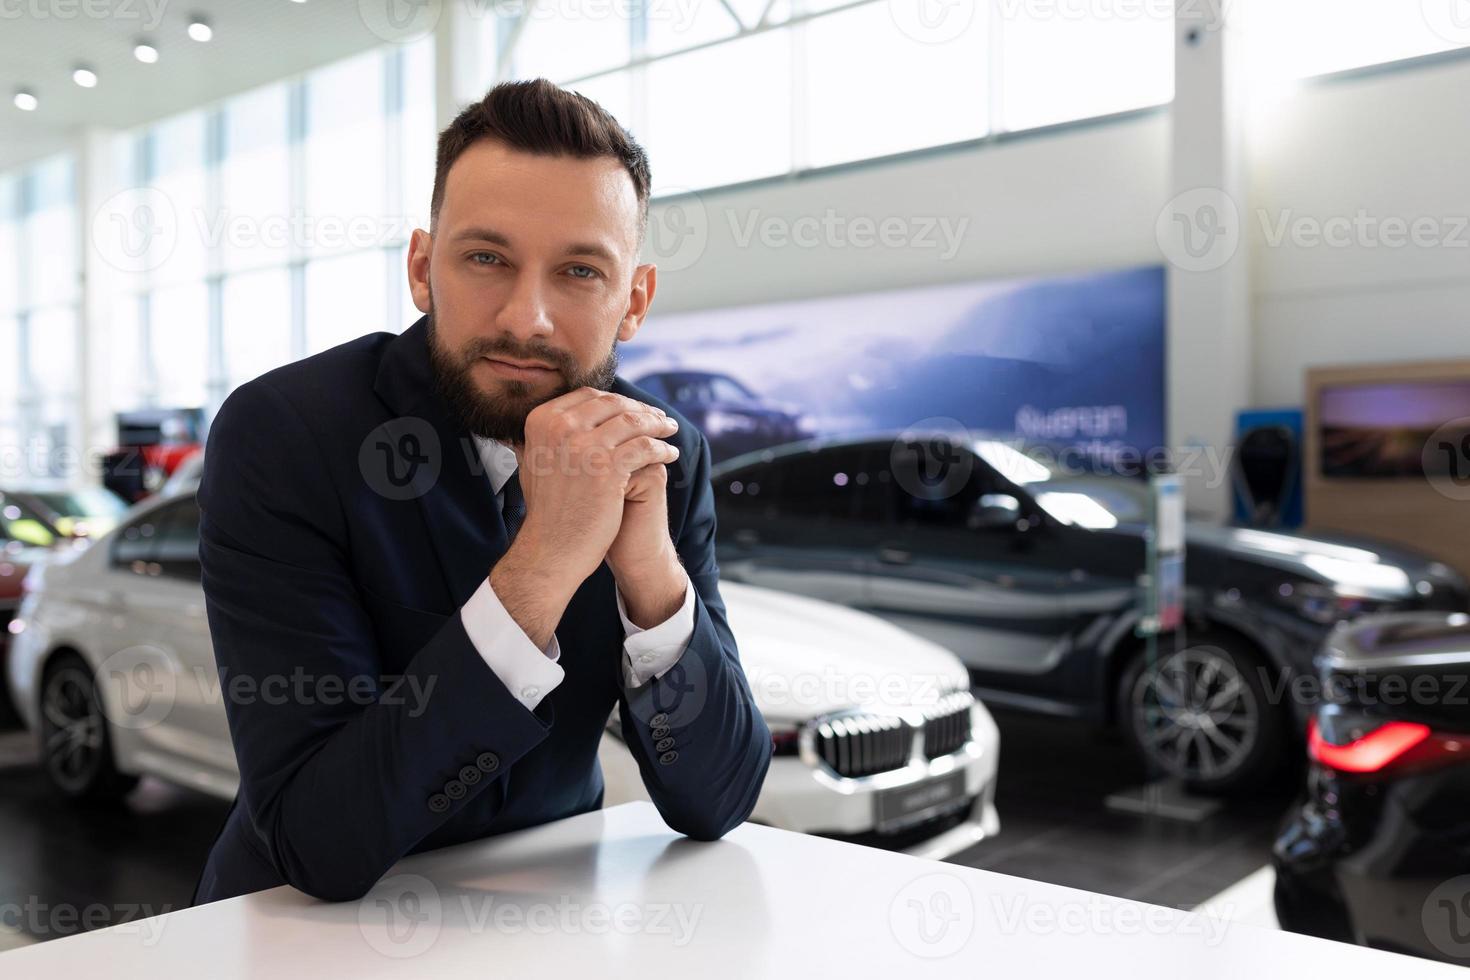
{"points": [[436, 563]]}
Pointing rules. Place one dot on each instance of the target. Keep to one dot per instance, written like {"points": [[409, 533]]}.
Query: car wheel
{"points": [[1202, 715], [76, 746]]}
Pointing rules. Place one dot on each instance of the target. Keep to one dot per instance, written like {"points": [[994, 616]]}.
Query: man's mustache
{"points": [[479, 348]]}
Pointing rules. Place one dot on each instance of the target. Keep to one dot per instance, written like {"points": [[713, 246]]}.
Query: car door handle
{"points": [[894, 556]]}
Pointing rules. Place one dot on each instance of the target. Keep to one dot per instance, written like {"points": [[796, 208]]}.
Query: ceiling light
{"points": [[84, 76], [25, 100], [145, 52], [199, 29]]}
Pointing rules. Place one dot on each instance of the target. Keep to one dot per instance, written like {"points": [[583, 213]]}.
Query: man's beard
{"points": [[502, 416]]}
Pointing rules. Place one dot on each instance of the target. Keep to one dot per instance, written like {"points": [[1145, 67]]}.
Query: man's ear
{"points": [[640, 297], [420, 244]]}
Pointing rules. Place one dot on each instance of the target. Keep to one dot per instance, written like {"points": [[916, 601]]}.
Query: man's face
{"points": [[530, 280]]}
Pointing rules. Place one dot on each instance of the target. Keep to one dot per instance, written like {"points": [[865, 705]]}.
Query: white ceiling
{"points": [[255, 42]]}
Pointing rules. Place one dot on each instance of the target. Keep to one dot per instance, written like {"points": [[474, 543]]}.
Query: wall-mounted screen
{"points": [[1073, 361], [1386, 430]]}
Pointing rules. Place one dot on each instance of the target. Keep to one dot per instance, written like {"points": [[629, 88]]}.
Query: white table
{"points": [[617, 894]]}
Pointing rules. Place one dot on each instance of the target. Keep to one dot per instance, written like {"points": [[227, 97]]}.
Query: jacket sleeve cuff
{"points": [[528, 673], [649, 653]]}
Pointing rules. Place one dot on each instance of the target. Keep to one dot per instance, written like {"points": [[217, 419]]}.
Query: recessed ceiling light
{"points": [[84, 76], [199, 29], [25, 100], [145, 52]]}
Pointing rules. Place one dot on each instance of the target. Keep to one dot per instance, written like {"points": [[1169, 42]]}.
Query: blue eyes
{"points": [[488, 259]]}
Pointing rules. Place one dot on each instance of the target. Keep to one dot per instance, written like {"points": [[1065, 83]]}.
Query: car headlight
{"points": [[1324, 605]]}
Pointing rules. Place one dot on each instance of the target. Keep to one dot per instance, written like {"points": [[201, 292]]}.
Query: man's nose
{"points": [[525, 313]]}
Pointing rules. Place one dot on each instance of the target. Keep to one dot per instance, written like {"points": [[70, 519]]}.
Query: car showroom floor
{"points": [[144, 856]]}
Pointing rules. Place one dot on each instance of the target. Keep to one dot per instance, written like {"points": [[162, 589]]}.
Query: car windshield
{"points": [[1085, 499], [20, 524], [706, 390], [86, 502]]}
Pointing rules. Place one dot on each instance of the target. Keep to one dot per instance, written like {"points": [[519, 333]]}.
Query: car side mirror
{"points": [[995, 511]]}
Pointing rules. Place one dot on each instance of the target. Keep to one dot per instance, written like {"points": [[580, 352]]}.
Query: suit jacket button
{"points": [[660, 732], [487, 761], [668, 757], [667, 743], [469, 775], [659, 720], [438, 803], [454, 789]]}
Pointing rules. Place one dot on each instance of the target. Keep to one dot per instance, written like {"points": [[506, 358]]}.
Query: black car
{"points": [[1033, 576], [1378, 852], [730, 415]]}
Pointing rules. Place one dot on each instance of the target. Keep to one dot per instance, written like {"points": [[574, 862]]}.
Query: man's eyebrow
{"points": [[593, 249], [496, 238], [483, 235]]}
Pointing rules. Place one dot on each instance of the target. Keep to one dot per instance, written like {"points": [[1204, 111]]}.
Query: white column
{"points": [[101, 287], [1200, 232], [461, 67]]}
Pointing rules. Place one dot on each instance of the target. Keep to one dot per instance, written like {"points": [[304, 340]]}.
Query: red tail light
{"points": [[1395, 745]]}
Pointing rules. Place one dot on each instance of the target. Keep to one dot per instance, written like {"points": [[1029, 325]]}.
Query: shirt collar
{"points": [[498, 459]]}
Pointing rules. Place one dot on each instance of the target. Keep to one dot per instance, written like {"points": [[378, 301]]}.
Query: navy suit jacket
{"points": [[344, 521]]}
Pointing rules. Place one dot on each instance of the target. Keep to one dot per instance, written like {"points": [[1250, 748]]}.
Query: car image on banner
{"points": [[1075, 362]]}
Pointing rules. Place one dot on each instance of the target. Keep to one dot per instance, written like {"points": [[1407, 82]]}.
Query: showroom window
{"points": [[1294, 40], [294, 205], [38, 316], [721, 93]]}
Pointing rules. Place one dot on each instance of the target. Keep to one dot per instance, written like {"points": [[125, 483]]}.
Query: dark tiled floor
{"points": [[145, 854], [1054, 778], [133, 859]]}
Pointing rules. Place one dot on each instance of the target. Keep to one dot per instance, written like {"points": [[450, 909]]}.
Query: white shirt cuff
{"points": [[528, 673], [649, 653]]}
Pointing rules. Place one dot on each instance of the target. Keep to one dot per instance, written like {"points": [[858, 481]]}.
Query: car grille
{"points": [[947, 724], [860, 744]]}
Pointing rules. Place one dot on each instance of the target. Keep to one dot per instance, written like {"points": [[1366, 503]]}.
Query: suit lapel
{"points": [[464, 525]]}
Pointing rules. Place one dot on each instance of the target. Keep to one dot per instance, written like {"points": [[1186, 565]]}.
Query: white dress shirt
{"points": [[529, 673]]}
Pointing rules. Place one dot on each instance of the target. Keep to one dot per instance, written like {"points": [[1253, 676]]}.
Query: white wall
{"points": [[1067, 201], [1393, 145]]}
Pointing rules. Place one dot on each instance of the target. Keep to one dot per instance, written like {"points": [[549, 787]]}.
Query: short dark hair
{"points": [[537, 116]]}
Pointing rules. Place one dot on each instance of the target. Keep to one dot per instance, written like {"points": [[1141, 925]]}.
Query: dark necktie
{"points": [[513, 507]]}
